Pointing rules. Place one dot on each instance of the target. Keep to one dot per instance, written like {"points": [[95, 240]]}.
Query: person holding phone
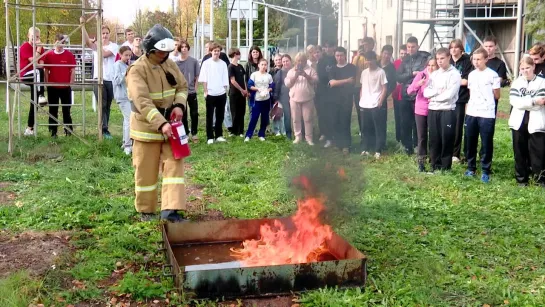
{"points": [[421, 111]]}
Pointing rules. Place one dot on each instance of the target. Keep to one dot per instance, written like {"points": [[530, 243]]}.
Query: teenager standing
{"points": [[190, 68], [237, 92]]}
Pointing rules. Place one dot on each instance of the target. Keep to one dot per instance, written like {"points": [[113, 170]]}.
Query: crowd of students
{"points": [[442, 102]]}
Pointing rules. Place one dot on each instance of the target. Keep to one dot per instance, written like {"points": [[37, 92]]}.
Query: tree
{"points": [[535, 23], [146, 19]]}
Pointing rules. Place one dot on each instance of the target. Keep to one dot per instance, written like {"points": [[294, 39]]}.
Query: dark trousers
{"points": [[373, 136], [64, 95], [409, 137], [441, 128], [397, 118], [287, 118], [260, 108], [193, 105], [107, 97], [341, 116], [28, 79], [237, 102], [215, 104], [320, 103], [356, 98], [422, 132], [484, 127], [459, 135], [529, 152]]}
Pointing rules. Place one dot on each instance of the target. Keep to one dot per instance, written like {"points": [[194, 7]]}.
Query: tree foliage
{"points": [[146, 19], [535, 23]]}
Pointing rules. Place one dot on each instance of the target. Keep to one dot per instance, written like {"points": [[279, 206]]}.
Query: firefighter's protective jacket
{"points": [[153, 98]]}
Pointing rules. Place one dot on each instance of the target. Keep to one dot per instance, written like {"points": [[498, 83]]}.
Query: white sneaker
{"points": [[242, 135], [322, 137], [296, 141], [127, 151], [310, 143], [221, 139], [262, 139], [210, 141], [247, 139], [29, 131], [278, 134], [455, 160], [327, 144], [377, 155], [42, 101], [365, 153], [230, 134]]}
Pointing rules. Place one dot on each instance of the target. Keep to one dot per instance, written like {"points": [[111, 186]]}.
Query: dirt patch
{"points": [[32, 251], [6, 197], [196, 205]]}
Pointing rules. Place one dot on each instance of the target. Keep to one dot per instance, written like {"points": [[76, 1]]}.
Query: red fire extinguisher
{"points": [[179, 141]]}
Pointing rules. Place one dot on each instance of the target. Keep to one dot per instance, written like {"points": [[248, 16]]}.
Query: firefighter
{"points": [[157, 90]]}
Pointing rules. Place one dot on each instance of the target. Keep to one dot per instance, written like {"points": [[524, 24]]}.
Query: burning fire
{"points": [[303, 243]]}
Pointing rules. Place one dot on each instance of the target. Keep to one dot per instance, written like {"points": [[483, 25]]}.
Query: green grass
{"points": [[440, 240]]}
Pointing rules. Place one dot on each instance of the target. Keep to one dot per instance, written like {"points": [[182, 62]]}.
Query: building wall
{"points": [[384, 14]]}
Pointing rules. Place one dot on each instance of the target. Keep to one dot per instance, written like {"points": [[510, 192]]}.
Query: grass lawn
{"points": [[432, 240]]}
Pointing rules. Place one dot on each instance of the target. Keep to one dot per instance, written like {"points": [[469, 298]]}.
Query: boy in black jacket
{"points": [[462, 63]]}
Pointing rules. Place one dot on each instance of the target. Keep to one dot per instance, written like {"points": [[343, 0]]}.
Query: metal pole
{"points": [[228, 43], [247, 31], [34, 64], [340, 23], [251, 24], [461, 22], [10, 122], [518, 37], [297, 42], [100, 70], [305, 34], [238, 23], [83, 75], [211, 20], [18, 91], [266, 36], [320, 30], [432, 25], [399, 26], [203, 6]]}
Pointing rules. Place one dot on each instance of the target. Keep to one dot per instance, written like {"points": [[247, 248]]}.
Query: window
{"points": [[360, 6], [346, 8], [407, 36], [345, 44], [389, 40], [389, 3]]}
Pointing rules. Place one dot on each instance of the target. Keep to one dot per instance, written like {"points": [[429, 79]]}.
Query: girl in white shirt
{"points": [[527, 123], [260, 86]]}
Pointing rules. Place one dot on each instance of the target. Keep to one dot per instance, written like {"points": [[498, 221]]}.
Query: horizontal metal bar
{"points": [[50, 83], [63, 105], [63, 4], [428, 20], [50, 7], [57, 125], [57, 24]]}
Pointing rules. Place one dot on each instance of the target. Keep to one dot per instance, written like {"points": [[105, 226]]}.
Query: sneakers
{"points": [[455, 160], [310, 143], [247, 139], [29, 131], [297, 141], [221, 139], [107, 135], [469, 173], [377, 155], [262, 139], [365, 153], [322, 137], [327, 144], [42, 101], [127, 151], [421, 167], [278, 134], [210, 141], [485, 178], [242, 135]]}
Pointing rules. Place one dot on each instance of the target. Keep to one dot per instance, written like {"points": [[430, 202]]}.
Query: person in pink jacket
{"points": [[421, 110], [301, 80]]}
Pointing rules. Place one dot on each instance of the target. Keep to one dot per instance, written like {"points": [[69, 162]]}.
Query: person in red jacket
{"points": [[26, 56], [60, 67]]}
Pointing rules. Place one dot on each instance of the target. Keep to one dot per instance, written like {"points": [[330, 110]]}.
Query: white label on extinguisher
{"points": [[181, 134]]}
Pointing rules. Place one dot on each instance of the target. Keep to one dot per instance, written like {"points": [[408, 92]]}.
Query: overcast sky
{"points": [[125, 10]]}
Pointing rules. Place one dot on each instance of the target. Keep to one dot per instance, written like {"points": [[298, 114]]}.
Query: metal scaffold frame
{"points": [[438, 13], [14, 105]]}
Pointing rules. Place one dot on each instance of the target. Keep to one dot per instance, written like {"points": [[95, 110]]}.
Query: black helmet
{"points": [[158, 38]]}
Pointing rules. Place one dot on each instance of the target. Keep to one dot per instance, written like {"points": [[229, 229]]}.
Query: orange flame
{"points": [[278, 245]]}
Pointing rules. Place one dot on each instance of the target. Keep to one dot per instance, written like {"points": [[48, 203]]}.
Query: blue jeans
{"points": [[260, 108], [475, 126], [287, 119], [278, 126]]}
